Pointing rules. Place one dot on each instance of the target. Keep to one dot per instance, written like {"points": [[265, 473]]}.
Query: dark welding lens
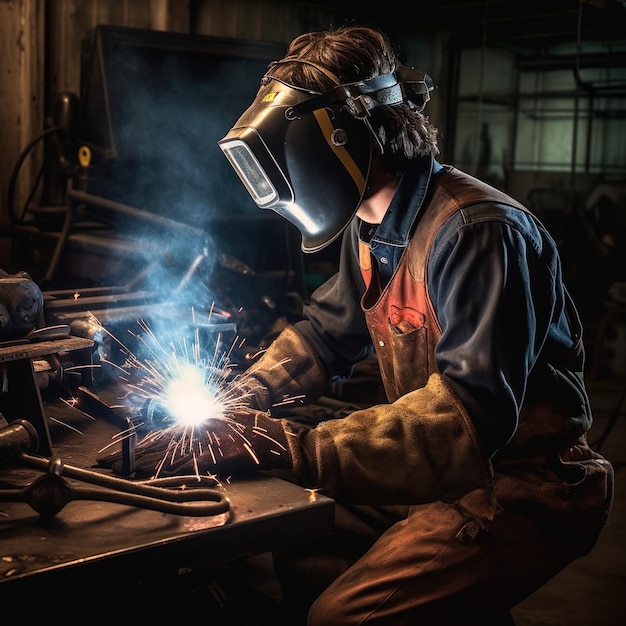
{"points": [[250, 171]]}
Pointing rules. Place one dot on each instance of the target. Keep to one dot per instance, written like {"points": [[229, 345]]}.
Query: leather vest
{"points": [[405, 330]]}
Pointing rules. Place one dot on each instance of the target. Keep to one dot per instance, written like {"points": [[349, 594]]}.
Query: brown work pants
{"points": [[453, 563]]}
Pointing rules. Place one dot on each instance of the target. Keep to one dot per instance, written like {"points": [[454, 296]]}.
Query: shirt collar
{"points": [[397, 224]]}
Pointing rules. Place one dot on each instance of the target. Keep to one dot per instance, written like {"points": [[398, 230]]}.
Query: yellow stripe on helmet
{"points": [[323, 119]]}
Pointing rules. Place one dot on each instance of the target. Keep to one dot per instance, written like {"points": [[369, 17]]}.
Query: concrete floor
{"points": [[592, 590]]}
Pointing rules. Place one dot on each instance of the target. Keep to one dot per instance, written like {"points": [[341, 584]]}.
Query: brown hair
{"points": [[319, 61]]}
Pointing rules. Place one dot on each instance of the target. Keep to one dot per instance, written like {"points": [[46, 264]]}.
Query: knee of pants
{"points": [[325, 613]]}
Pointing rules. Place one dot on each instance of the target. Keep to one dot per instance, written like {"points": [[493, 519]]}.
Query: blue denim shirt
{"points": [[494, 278]]}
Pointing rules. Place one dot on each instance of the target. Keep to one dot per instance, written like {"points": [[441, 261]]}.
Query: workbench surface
{"points": [[129, 543]]}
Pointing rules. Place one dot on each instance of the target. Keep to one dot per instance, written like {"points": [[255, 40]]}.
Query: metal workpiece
{"points": [[94, 405], [113, 542], [50, 493]]}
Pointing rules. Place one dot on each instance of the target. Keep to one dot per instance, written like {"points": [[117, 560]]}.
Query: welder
{"points": [[474, 484]]}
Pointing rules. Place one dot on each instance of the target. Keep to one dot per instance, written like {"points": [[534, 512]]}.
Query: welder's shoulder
{"points": [[491, 219], [491, 212]]}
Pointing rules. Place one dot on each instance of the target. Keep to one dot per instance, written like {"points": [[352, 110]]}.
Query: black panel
{"points": [[154, 105]]}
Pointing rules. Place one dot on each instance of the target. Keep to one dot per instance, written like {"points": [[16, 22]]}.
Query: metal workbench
{"points": [[128, 547]]}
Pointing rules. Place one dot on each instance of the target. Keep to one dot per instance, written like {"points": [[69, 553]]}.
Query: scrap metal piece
{"points": [[95, 406], [180, 495]]}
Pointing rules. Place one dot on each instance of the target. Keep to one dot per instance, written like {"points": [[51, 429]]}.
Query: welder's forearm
{"points": [[395, 453]]}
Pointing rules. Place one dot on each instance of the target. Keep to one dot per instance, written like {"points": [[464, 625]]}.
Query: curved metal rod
{"points": [[175, 494]]}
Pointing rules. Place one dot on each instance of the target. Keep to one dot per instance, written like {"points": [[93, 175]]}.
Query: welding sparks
{"points": [[190, 400], [186, 395], [180, 382]]}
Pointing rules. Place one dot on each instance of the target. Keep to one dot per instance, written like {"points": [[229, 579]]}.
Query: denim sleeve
{"points": [[494, 279], [334, 323]]}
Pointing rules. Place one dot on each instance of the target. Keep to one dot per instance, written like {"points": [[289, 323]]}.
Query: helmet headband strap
{"points": [[360, 97]]}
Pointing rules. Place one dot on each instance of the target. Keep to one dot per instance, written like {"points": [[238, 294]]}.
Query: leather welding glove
{"points": [[248, 443], [289, 373], [421, 448]]}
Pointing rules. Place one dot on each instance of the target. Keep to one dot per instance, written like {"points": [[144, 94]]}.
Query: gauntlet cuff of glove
{"points": [[289, 372], [421, 448]]}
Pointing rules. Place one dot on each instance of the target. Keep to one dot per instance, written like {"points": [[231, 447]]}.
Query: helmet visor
{"points": [[309, 167], [250, 172]]}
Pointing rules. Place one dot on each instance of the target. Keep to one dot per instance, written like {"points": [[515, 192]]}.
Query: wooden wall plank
{"points": [[266, 20], [21, 97]]}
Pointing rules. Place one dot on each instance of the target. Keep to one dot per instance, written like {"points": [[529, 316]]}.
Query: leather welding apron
{"points": [[463, 561]]}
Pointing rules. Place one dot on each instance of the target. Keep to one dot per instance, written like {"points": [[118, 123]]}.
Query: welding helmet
{"points": [[306, 155]]}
